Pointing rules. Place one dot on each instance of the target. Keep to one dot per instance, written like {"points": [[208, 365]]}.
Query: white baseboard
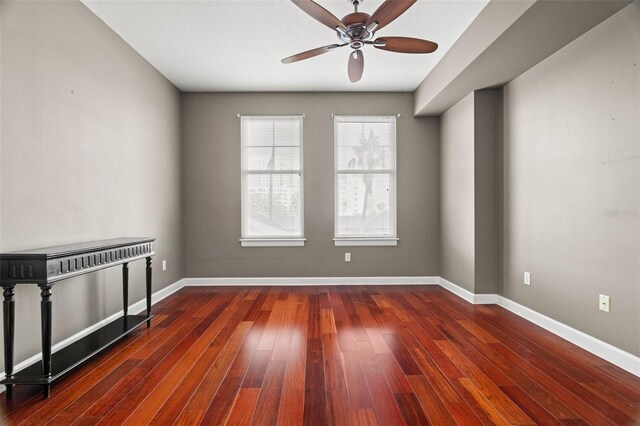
{"points": [[304, 281], [604, 350], [136, 307], [476, 299]]}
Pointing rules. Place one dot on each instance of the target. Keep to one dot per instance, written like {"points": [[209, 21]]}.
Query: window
{"points": [[272, 181], [365, 180]]}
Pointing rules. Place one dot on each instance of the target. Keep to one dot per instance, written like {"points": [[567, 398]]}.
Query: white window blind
{"points": [[272, 180], [365, 180]]}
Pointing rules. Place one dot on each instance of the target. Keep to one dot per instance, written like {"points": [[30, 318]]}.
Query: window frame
{"points": [[361, 240], [269, 240]]}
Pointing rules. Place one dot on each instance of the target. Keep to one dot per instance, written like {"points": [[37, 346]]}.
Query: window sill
{"points": [[272, 242], [365, 241]]}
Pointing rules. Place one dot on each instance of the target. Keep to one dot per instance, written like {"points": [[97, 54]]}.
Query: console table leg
{"points": [[45, 312], [125, 288], [149, 291], [9, 329]]}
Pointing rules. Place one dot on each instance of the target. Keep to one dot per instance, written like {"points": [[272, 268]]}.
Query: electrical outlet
{"points": [[605, 303], [164, 265], [347, 257], [527, 278]]}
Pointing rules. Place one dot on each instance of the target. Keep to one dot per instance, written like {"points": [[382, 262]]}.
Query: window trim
{"points": [[361, 240], [270, 240]]}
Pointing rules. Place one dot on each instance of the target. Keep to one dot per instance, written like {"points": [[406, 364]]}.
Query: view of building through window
{"points": [[272, 177], [365, 176]]}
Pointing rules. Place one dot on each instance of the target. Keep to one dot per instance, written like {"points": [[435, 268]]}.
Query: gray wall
{"points": [[468, 188], [457, 194], [572, 183], [486, 121], [90, 150], [211, 186]]}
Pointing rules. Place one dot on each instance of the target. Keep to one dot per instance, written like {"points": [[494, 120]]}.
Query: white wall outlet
{"points": [[347, 257], [605, 303], [527, 278], [164, 265]]}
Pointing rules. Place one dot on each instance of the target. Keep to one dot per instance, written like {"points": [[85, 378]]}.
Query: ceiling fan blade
{"points": [[388, 11], [405, 45], [310, 53], [356, 65], [319, 13]]}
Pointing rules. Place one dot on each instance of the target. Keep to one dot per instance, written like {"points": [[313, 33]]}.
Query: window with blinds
{"points": [[365, 180], [272, 181]]}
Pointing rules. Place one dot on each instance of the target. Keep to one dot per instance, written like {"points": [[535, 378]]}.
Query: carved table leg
{"points": [[9, 329], [125, 288], [148, 291], [45, 312]]}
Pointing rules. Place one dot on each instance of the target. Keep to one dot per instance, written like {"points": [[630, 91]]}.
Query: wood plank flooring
{"points": [[343, 355]]}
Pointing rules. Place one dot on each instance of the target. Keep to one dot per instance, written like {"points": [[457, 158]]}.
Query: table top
{"points": [[71, 249]]}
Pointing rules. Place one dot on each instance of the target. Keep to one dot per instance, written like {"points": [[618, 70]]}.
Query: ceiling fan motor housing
{"points": [[357, 32]]}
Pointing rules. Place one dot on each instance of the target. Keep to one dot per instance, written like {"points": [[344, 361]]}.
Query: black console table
{"points": [[44, 267]]}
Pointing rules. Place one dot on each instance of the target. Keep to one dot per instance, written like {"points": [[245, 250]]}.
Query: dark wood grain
{"points": [[335, 355]]}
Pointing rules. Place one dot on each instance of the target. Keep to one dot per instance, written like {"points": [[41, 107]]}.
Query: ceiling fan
{"points": [[357, 29]]}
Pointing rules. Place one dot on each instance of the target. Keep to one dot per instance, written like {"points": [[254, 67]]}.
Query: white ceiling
{"points": [[237, 45]]}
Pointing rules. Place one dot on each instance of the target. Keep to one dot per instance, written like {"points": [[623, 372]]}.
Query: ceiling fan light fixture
{"points": [[356, 65]]}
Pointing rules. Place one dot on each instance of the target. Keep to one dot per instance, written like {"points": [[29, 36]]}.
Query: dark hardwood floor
{"points": [[335, 355]]}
